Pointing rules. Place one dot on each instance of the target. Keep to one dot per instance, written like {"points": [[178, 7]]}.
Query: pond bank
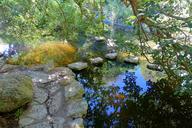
{"points": [[57, 99]]}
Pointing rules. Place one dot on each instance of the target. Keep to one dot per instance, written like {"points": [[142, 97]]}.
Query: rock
{"points": [[35, 111], [96, 61], [39, 125], [132, 60], [15, 91], [66, 80], [111, 56], [182, 73], [54, 103], [63, 71], [2, 62], [74, 91], [58, 122], [154, 67], [77, 123], [99, 39], [57, 100], [25, 121], [78, 66], [38, 76], [8, 67], [77, 109], [40, 95]]}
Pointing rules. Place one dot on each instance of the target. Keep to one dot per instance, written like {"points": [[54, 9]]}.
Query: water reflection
{"points": [[128, 105]]}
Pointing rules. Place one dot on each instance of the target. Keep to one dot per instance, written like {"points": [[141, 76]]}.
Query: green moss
{"points": [[60, 53]]}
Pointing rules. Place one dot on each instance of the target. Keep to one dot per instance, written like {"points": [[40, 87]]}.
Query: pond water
{"points": [[120, 96], [98, 84]]}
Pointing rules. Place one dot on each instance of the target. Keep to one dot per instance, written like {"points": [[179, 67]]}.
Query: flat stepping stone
{"points": [[97, 60], [154, 67], [78, 66], [132, 60], [111, 56], [99, 39]]}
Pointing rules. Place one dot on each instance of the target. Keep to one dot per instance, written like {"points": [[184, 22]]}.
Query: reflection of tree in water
{"points": [[160, 106]]}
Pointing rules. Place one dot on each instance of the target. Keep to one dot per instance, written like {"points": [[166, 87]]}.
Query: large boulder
{"points": [[15, 91], [57, 53]]}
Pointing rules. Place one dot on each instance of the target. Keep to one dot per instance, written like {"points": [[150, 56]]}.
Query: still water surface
{"points": [[130, 100]]}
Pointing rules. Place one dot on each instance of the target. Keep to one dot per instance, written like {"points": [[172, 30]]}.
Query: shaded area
{"points": [[132, 103]]}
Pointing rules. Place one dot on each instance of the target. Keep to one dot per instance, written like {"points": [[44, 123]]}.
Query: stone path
{"points": [[57, 101]]}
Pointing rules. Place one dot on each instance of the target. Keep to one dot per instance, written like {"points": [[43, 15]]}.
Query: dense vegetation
{"points": [[165, 24]]}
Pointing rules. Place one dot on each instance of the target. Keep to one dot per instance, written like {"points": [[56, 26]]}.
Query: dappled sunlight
{"points": [[58, 53]]}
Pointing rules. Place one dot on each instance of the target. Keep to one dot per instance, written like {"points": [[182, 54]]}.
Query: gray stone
{"points": [[74, 91], [25, 121], [40, 125], [63, 71], [53, 87], [38, 76], [54, 103], [37, 112], [77, 109], [58, 122], [7, 67], [15, 91], [66, 80], [2, 62], [132, 60], [97, 60], [154, 67], [111, 56], [77, 123], [182, 73], [78, 66], [100, 38], [40, 95]]}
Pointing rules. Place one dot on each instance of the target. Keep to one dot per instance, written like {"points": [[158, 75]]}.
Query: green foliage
{"points": [[32, 20]]}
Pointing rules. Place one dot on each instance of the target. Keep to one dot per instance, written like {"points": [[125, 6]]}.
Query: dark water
{"points": [[130, 101]]}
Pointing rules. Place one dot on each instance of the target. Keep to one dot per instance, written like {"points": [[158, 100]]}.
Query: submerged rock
{"points": [[78, 66], [132, 60], [154, 67], [15, 91], [97, 60], [111, 56]]}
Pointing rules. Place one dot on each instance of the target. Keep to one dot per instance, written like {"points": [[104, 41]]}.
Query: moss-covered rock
{"points": [[15, 91], [58, 53]]}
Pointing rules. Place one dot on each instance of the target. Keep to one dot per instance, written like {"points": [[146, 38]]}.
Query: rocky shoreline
{"points": [[57, 100]]}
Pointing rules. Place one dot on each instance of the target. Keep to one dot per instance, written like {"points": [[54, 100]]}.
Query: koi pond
{"points": [[132, 100]]}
